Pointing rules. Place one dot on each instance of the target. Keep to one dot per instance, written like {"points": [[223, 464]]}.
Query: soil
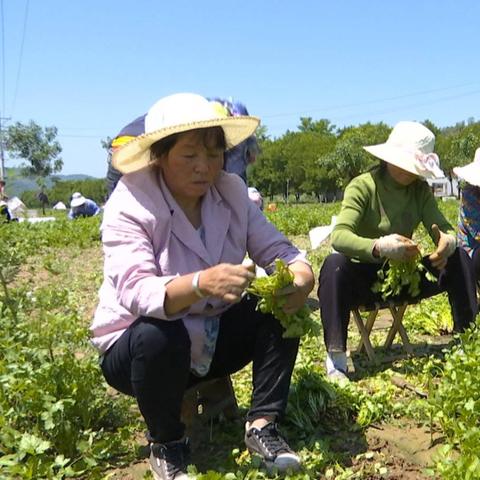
{"points": [[405, 451], [404, 448]]}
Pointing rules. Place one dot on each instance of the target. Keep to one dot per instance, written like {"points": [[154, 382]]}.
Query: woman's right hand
{"points": [[395, 247], [226, 281]]}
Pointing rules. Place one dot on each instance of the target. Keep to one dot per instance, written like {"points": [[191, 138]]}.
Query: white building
{"points": [[444, 187]]}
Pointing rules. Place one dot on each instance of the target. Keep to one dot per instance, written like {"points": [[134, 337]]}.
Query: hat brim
{"points": [[400, 158], [135, 154], [76, 202], [470, 173]]}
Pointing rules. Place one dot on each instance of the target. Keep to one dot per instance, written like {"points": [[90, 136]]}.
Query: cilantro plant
{"points": [[396, 276], [455, 405], [267, 288]]}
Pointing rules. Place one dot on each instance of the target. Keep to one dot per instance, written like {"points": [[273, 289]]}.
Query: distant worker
{"points": [[43, 199], [5, 213], [3, 195], [236, 159], [82, 207]]}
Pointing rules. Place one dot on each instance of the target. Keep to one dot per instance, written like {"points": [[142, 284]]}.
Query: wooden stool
{"points": [[209, 399], [397, 310]]}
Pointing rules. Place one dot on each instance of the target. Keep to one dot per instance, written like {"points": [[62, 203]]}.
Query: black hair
{"points": [[380, 167], [212, 137]]}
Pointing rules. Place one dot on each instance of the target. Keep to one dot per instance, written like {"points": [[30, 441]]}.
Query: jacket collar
{"points": [[215, 220]]}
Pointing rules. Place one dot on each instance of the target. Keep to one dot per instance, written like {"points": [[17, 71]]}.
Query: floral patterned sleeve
{"points": [[469, 219]]}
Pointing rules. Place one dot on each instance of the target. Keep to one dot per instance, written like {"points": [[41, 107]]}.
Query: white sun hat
{"points": [[77, 200], [175, 114], [410, 147], [470, 172]]}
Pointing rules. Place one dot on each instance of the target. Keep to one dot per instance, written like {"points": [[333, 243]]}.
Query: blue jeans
{"points": [[151, 361]]}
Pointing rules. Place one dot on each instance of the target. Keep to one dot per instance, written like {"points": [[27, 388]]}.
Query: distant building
{"points": [[444, 187]]}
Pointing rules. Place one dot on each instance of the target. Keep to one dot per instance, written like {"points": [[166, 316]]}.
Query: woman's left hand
{"points": [[296, 294]]}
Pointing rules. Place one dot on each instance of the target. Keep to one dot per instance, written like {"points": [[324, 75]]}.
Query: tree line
{"points": [[320, 159], [317, 159]]}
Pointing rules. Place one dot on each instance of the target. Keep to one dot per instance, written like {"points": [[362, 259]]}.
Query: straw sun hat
{"points": [[471, 172], [179, 113], [410, 147]]}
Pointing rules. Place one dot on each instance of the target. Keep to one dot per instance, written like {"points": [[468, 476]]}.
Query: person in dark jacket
{"points": [[468, 234]]}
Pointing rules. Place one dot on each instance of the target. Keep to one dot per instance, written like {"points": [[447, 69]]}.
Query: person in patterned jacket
{"points": [[468, 235]]}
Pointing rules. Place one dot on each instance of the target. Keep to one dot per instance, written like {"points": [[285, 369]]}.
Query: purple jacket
{"points": [[148, 240]]}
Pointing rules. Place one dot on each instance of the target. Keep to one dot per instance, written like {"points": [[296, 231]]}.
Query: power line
{"points": [[17, 81], [413, 105], [369, 102], [79, 136]]}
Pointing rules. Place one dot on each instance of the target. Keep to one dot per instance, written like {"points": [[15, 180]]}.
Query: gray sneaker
{"points": [[272, 447], [338, 377], [169, 461]]}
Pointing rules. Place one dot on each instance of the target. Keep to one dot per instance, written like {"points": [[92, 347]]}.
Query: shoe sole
{"points": [[271, 467]]}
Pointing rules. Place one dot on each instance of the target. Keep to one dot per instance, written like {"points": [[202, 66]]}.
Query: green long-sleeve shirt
{"points": [[375, 205]]}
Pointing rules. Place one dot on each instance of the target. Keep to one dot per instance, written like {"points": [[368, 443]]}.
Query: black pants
{"points": [[476, 264], [344, 284], [151, 361]]}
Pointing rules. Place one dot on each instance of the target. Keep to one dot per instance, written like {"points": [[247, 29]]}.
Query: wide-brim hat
{"points": [[179, 113], [470, 172], [410, 147], [77, 200]]}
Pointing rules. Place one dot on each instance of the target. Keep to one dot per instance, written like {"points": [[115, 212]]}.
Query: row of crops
{"points": [[59, 420]]}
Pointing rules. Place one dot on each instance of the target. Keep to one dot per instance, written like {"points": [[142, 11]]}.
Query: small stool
{"points": [[397, 310], [207, 400]]}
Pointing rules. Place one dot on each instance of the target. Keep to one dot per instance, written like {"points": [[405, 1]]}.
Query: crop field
{"points": [[407, 418]]}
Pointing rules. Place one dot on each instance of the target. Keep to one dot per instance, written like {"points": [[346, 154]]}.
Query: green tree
{"points": [[106, 143], [62, 190], [35, 145], [349, 159], [322, 126], [268, 172], [456, 147], [261, 134]]}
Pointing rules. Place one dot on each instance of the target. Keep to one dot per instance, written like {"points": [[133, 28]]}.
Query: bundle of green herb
{"points": [[267, 288], [396, 275]]}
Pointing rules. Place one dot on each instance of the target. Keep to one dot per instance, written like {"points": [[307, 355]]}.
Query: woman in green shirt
{"points": [[379, 214]]}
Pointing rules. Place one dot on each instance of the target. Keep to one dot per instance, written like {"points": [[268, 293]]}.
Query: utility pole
{"points": [[2, 149], [2, 173]]}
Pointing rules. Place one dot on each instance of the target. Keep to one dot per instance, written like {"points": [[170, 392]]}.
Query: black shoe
{"points": [[169, 461], [272, 447]]}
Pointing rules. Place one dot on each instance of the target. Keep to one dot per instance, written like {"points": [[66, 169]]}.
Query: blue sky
{"points": [[90, 66]]}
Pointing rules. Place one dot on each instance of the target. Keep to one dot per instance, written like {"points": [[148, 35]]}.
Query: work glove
{"points": [[395, 247], [446, 245]]}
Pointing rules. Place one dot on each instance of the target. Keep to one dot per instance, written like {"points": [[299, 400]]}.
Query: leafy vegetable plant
{"points": [[267, 288], [394, 276]]}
